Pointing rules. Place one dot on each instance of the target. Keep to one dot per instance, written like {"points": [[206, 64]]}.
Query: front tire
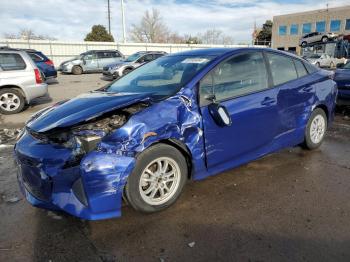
{"points": [[11, 101], [324, 39], [316, 129], [77, 70], [157, 179]]}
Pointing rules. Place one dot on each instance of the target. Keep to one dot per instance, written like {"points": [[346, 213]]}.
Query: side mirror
{"points": [[220, 114]]}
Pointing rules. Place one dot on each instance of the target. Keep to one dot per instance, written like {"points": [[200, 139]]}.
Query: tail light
{"points": [[49, 62], [38, 78]]}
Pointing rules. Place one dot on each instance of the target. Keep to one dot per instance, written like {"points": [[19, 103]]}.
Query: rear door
{"points": [[296, 92], [241, 85]]}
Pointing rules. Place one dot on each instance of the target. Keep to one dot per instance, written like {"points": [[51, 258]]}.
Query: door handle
{"points": [[268, 101]]}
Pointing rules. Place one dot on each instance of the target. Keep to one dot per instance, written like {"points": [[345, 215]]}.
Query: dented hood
{"points": [[82, 108]]}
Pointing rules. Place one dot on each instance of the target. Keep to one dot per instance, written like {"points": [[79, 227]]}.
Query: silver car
{"points": [[323, 60], [316, 37], [90, 61], [116, 70], [20, 81]]}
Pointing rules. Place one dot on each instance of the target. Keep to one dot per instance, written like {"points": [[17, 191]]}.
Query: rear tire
{"points": [[303, 44], [11, 101], [157, 180], [77, 70], [324, 39], [316, 129]]}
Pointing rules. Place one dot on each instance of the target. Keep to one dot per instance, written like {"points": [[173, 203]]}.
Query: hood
{"points": [[82, 108]]}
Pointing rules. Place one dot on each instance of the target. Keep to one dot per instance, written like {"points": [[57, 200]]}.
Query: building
{"points": [[288, 29]]}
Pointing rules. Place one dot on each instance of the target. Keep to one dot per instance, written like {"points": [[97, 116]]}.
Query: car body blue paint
{"points": [[257, 129], [342, 77], [47, 69]]}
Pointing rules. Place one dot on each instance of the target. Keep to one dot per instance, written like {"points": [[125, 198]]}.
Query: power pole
{"points": [[109, 16], [123, 20]]}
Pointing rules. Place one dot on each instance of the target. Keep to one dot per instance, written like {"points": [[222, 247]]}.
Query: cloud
{"points": [[72, 20]]}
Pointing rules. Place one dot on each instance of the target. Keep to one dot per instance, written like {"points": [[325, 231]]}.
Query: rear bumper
{"points": [[90, 190], [35, 91]]}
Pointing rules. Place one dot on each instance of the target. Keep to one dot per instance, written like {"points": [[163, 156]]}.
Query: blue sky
{"points": [[72, 19]]}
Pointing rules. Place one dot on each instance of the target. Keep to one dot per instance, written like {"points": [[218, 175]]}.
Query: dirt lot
{"points": [[290, 206]]}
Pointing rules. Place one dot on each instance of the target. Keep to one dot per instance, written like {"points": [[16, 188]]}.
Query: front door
{"points": [[241, 85], [90, 62]]}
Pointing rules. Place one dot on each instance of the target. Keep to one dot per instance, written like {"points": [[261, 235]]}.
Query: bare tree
{"points": [[27, 34], [215, 37], [151, 29]]}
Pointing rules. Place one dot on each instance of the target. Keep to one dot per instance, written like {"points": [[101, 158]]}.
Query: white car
{"points": [[20, 81], [316, 37], [323, 60]]}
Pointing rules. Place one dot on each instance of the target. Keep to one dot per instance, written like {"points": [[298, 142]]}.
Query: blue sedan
{"points": [[183, 116], [342, 77]]}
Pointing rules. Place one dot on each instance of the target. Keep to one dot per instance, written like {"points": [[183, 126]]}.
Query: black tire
{"points": [[132, 190], [308, 143], [325, 39], [21, 101], [127, 71], [304, 44], [77, 70]]}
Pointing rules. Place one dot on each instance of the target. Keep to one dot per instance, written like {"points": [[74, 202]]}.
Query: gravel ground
{"points": [[289, 206]]}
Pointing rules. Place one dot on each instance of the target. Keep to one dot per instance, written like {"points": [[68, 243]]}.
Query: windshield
{"points": [[161, 77], [133, 57]]}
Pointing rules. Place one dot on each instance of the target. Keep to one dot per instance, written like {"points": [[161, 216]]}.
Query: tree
{"points": [[99, 34], [266, 32], [215, 37], [28, 34], [151, 29]]}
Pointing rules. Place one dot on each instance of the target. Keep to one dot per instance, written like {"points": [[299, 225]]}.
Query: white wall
{"points": [[59, 51]]}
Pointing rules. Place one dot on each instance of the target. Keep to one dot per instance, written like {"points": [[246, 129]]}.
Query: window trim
{"points": [[237, 96], [302, 63], [24, 61]]}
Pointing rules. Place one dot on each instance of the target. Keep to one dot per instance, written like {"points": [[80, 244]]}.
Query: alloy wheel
{"points": [[159, 181]]}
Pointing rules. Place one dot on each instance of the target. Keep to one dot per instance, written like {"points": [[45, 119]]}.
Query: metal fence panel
{"points": [[59, 51]]}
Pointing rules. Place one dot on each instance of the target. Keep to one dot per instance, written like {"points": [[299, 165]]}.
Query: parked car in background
{"points": [[316, 37], [45, 65], [124, 67], [20, 81], [342, 77], [90, 61], [182, 116], [323, 60]]}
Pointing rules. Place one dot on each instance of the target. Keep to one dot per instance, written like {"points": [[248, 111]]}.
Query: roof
{"points": [[206, 52], [317, 11]]}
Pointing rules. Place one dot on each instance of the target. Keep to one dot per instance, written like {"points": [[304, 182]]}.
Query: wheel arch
{"points": [[17, 88], [182, 148], [324, 108]]}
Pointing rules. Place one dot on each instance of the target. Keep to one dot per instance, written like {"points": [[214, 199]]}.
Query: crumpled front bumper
{"points": [[90, 190]]}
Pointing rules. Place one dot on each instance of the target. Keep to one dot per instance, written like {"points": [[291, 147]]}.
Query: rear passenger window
{"points": [[35, 57], [240, 75], [301, 70], [10, 61], [282, 68]]}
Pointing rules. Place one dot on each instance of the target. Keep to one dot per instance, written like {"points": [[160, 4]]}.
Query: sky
{"points": [[71, 20]]}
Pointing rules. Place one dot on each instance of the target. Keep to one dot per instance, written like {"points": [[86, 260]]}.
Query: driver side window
{"points": [[240, 75]]}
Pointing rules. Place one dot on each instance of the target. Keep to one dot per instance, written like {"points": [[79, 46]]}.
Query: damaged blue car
{"points": [[183, 116]]}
